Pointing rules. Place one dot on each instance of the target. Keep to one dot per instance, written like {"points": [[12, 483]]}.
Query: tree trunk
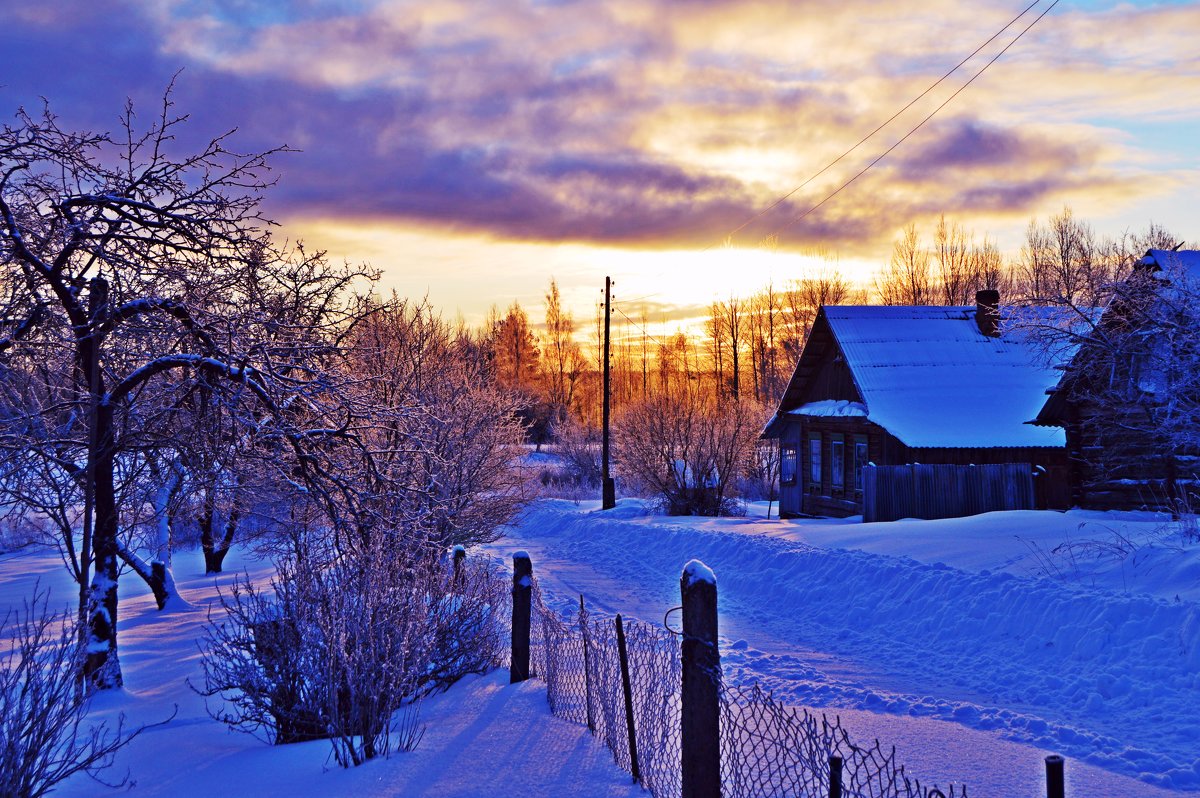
{"points": [[214, 553], [157, 575], [101, 666]]}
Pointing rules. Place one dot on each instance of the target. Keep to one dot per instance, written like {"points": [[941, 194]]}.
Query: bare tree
{"points": [[1063, 262], [563, 362], [443, 442], [906, 280], [735, 323], [1129, 393], [122, 253], [803, 298], [714, 326], [952, 254]]}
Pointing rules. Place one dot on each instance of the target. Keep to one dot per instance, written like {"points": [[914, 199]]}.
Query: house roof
{"points": [[933, 380], [1186, 261]]}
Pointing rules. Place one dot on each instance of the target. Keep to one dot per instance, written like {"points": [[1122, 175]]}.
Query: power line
{"points": [[639, 298], [617, 308], [882, 125], [920, 124]]}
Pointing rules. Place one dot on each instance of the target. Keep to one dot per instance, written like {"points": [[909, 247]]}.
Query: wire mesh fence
{"points": [[580, 664], [767, 748]]}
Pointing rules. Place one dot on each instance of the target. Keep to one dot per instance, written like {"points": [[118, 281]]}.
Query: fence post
{"points": [[835, 777], [1055, 784], [700, 717], [623, 655], [587, 667], [460, 555], [522, 607]]}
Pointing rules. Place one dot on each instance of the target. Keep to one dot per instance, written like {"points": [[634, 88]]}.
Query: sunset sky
{"points": [[473, 149]]}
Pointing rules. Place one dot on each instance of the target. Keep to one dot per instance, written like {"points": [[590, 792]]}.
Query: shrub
{"points": [[345, 651], [44, 734], [687, 451]]}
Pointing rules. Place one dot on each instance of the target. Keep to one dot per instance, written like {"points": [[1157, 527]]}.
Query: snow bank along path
{"points": [[1106, 679]]}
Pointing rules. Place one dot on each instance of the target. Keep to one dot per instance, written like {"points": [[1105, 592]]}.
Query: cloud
{"points": [[644, 124]]}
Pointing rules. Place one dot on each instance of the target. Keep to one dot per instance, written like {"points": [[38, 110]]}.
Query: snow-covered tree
{"points": [[1130, 393], [140, 284]]}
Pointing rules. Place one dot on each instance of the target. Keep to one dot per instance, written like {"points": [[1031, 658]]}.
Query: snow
{"points": [[932, 379], [1186, 261], [696, 571], [832, 408], [968, 643], [482, 737]]}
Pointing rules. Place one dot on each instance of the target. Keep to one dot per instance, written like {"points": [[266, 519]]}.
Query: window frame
{"points": [[861, 443], [814, 462], [837, 464], [789, 463]]}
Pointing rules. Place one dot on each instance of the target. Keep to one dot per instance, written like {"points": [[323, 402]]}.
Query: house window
{"points": [[860, 460], [787, 464], [837, 463], [814, 460]]}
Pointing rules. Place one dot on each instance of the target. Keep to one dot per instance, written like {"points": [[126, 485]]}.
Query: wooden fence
{"points": [[945, 491]]}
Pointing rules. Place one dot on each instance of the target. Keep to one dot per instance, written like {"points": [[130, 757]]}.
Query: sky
{"points": [[473, 150]]}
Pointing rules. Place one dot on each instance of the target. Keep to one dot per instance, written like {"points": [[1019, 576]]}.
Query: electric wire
{"points": [[640, 327], [880, 127], [919, 125]]}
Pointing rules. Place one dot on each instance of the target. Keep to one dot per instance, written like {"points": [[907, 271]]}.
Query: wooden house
{"points": [[889, 385], [1129, 399]]}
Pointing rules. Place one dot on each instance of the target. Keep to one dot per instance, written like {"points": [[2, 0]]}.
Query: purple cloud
{"points": [[530, 121]]}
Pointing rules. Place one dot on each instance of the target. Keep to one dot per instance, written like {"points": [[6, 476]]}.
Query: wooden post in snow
{"points": [[587, 666], [627, 687], [1055, 782], [522, 609], [700, 721], [459, 558], [835, 777]]}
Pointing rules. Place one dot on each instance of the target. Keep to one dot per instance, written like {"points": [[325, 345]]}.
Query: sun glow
{"points": [[468, 274]]}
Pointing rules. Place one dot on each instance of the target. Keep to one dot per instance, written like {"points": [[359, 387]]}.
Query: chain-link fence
{"points": [[767, 748]]}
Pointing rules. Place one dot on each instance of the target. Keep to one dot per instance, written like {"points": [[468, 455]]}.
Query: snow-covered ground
{"points": [[968, 643], [483, 737]]}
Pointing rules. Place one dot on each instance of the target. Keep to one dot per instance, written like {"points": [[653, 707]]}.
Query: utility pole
{"points": [[608, 485]]}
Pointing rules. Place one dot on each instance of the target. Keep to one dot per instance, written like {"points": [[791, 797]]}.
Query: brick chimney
{"points": [[987, 312]]}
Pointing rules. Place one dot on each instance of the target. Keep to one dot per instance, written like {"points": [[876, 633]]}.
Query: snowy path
{"points": [[995, 668]]}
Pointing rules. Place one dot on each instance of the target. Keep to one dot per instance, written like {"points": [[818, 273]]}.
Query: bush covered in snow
{"points": [[344, 649], [687, 452], [43, 735]]}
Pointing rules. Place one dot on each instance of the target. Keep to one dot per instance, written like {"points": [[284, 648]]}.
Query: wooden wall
{"points": [[1051, 488], [1115, 466]]}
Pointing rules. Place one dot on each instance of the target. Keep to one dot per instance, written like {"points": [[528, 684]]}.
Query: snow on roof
{"points": [[1186, 261], [832, 408], [932, 379]]}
